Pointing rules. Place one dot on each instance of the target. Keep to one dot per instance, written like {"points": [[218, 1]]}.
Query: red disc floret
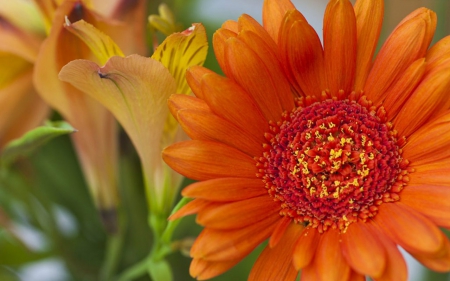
{"points": [[332, 163]]}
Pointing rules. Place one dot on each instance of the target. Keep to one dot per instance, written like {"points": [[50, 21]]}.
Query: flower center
{"points": [[332, 163]]}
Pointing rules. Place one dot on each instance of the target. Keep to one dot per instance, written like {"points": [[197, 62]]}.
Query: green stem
{"points": [[112, 255], [136, 270]]}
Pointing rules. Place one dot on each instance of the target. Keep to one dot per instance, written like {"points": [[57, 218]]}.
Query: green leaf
{"points": [[33, 139]]}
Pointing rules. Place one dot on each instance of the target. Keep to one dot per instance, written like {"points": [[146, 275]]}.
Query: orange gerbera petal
{"points": [[340, 55], [395, 268], [302, 54], [396, 220], [330, 263], [402, 88], [272, 64], [237, 214], [430, 143], [202, 269], [439, 54], [226, 99], [230, 244], [179, 102], [225, 189], [363, 251], [430, 200], [203, 160], [190, 208], [407, 43], [305, 247], [249, 70], [247, 23], [369, 19], [273, 14], [231, 25], [279, 231], [194, 76], [428, 100], [220, 39], [276, 263], [439, 261], [202, 125]]}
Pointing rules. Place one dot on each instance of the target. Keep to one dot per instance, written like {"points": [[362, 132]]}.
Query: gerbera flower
{"points": [[335, 157]]}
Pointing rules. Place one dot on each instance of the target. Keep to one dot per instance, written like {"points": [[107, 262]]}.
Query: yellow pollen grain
{"points": [[362, 157], [344, 217], [350, 129], [307, 136], [312, 190], [324, 191], [330, 137], [363, 140], [342, 141], [369, 143], [322, 126], [351, 201], [331, 125], [371, 156], [310, 123], [355, 182], [318, 136]]}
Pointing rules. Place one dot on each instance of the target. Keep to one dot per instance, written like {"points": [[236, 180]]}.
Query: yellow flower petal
{"points": [[182, 50], [100, 44]]}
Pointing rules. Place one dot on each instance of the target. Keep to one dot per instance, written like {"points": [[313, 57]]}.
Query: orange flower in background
{"points": [[21, 107], [336, 158]]}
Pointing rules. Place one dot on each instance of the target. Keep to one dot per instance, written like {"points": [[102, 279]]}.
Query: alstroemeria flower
{"points": [[135, 89], [96, 139], [22, 108]]}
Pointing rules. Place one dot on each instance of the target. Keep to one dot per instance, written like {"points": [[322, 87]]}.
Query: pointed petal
{"points": [[302, 54], [305, 248], [221, 245], [279, 231], [238, 214], [182, 50], [407, 43], [339, 41], [100, 44], [180, 102], [330, 263], [190, 208], [276, 263], [362, 250], [369, 19], [248, 24], [428, 100], [269, 58], [430, 143], [249, 70], [273, 14], [395, 268], [202, 125], [225, 189], [220, 38], [438, 262], [202, 160], [202, 269], [439, 53], [401, 89], [227, 99], [409, 229], [194, 76], [430, 200], [231, 25]]}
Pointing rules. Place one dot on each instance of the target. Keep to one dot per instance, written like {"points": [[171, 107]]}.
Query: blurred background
{"points": [[49, 227]]}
